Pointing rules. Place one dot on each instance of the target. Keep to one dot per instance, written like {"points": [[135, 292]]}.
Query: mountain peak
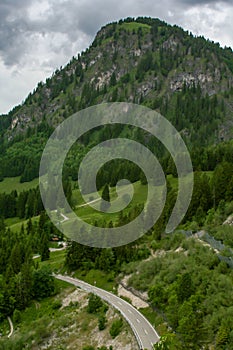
{"points": [[139, 60]]}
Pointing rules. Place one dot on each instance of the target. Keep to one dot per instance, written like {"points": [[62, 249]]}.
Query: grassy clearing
{"points": [[134, 26], [15, 224], [54, 245], [139, 193], [12, 183], [14, 221], [88, 214], [173, 181], [56, 261], [98, 278]]}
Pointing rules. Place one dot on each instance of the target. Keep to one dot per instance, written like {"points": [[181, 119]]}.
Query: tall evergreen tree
{"points": [[44, 247], [106, 196]]}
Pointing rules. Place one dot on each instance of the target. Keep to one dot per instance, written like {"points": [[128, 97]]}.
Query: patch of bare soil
{"points": [[76, 328], [78, 295], [138, 299]]}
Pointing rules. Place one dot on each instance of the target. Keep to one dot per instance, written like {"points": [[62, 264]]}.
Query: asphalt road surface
{"points": [[145, 333]]}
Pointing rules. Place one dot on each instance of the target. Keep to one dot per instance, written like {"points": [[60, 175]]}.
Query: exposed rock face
{"points": [[20, 121], [14, 123], [171, 44], [145, 88], [229, 221], [190, 79]]}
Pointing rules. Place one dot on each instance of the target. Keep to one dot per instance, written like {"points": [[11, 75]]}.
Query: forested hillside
{"points": [[188, 79]]}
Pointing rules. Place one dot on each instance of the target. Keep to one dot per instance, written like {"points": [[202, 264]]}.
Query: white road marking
{"points": [[130, 311], [138, 320], [145, 331]]}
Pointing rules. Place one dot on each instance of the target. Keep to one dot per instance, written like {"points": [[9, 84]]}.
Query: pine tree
{"points": [[184, 288], [16, 258], [113, 79], [222, 335], [44, 247], [106, 196]]}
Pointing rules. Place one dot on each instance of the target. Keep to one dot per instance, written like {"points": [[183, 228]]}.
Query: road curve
{"points": [[145, 333]]}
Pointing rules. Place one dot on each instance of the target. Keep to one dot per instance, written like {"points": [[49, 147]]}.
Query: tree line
{"points": [[21, 279]]}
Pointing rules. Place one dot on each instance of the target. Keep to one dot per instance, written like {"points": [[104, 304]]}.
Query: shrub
{"points": [[17, 316], [94, 304], [102, 322], [116, 328], [56, 305]]}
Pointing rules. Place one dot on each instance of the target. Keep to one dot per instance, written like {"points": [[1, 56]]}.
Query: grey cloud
{"points": [[71, 18], [204, 2], [17, 29], [75, 20], [13, 29]]}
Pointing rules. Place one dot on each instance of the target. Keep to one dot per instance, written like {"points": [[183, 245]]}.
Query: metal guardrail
{"points": [[215, 244]]}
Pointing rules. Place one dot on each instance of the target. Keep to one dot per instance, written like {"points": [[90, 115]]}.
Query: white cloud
{"points": [[214, 22], [15, 84]]}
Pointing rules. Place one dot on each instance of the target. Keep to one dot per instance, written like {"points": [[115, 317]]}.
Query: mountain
{"points": [[145, 61]]}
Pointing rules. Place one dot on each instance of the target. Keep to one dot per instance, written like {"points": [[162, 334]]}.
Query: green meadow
{"points": [[13, 183]]}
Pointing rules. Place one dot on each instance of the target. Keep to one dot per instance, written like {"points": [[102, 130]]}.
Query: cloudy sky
{"points": [[36, 37]]}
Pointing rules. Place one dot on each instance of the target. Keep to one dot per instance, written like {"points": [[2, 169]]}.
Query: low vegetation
{"points": [[55, 323]]}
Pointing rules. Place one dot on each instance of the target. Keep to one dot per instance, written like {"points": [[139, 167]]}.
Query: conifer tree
{"points": [[106, 196]]}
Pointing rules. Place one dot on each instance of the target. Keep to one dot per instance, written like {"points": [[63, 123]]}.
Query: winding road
{"points": [[145, 333]]}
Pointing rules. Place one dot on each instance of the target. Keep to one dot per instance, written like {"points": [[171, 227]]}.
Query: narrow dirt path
{"points": [[11, 327]]}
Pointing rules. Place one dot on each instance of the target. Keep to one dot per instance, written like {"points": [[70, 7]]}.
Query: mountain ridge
{"points": [[174, 56], [144, 61]]}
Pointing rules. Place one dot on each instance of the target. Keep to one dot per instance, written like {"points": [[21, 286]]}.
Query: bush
{"points": [[17, 316], [102, 322], [116, 328], [94, 304], [43, 283], [56, 305], [126, 299]]}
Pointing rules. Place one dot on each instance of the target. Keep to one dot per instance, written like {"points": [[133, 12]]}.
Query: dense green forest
{"points": [[189, 80], [21, 280]]}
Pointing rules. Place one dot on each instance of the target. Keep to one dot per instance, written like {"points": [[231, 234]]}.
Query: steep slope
{"points": [[145, 61]]}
